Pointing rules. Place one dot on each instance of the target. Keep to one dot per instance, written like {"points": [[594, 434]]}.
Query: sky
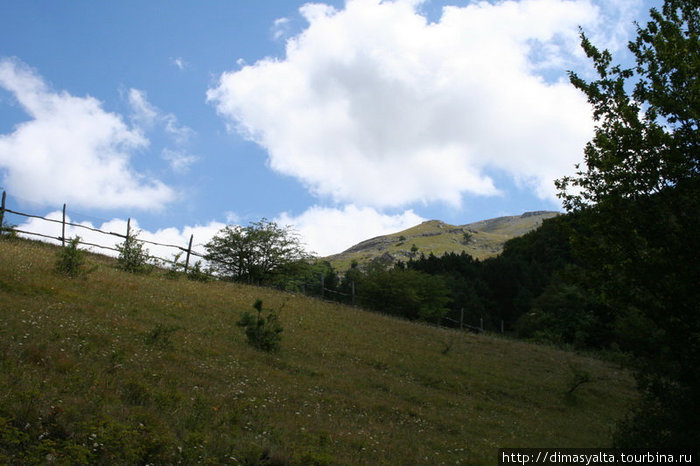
{"points": [[344, 120]]}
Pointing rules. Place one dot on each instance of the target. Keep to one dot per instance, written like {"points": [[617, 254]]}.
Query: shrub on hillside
{"points": [[263, 331], [133, 256], [197, 274], [70, 260], [8, 231]]}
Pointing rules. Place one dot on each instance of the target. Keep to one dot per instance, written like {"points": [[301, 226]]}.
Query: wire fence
{"points": [[128, 235]]}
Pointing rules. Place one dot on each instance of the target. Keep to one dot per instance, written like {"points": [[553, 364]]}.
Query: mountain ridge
{"points": [[481, 239]]}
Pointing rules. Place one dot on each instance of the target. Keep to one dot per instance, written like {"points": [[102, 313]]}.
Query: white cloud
{"points": [[142, 112], [374, 105], [280, 28], [179, 161], [617, 22], [179, 62], [146, 116], [329, 231], [72, 150]]}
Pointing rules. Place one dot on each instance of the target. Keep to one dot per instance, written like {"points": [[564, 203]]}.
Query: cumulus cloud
{"points": [[375, 105], [71, 149], [329, 231]]}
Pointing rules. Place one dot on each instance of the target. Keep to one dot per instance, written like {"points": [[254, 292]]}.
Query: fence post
{"points": [[2, 212], [322, 286], [352, 288], [461, 319], [63, 227], [128, 228], [481, 324], [189, 249], [502, 327]]}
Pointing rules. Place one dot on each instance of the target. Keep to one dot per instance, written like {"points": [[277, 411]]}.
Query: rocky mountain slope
{"points": [[481, 240]]}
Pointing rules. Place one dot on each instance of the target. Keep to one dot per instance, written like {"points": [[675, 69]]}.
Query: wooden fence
{"points": [[189, 252], [62, 238]]}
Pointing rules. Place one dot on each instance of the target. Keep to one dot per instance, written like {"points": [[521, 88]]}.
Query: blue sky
{"points": [[346, 120]]}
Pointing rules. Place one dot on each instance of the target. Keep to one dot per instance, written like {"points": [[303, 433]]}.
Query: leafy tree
{"points": [[253, 253], [403, 292], [561, 314], [349, 282], [640, 193], [304, 276]]}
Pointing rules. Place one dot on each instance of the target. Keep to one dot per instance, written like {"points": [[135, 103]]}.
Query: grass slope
{"points": [[486, 239], [121, 369]]}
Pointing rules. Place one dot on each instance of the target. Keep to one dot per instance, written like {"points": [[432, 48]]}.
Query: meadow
{"points": [[117, 368]]}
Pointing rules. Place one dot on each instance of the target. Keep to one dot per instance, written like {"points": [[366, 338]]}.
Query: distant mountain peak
{"points": [[481, 240]]}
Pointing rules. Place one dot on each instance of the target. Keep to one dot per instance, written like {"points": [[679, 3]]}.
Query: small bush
{"points": [[197, 274], [71, 260], [133, 256], [175, 267], [263, 331], [466, 237], [578, 377], [8, 232]]}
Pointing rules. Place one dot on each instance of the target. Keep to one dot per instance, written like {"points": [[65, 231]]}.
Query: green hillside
{"points": [[116, 368], [483, 239]]}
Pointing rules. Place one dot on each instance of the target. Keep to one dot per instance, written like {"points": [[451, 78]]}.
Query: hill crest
{"points": [[482, 239]]}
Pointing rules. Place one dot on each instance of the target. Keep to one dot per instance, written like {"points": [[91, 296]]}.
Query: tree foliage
{"points": [[502, 288], [254, 253], [640, 192], [403, 292], [648, 140]]}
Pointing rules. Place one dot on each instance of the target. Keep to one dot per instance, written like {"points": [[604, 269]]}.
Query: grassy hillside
{"points": [[484, 239], [116, 368]]}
